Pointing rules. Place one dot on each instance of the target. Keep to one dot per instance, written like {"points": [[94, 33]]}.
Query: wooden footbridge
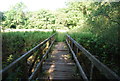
{"points": [[65, 61]]}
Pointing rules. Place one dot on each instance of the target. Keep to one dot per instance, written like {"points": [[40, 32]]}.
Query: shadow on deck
{"points": [[59, 65]]}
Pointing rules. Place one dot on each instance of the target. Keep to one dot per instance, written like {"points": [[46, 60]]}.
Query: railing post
{"points": [[77, 50], [74, 48], [77, 69], [47, 46], [32, 65], [25, 70], [71, 44], [91, 71], [67, 39], [50, 41], [41, 55], [47, 56]]}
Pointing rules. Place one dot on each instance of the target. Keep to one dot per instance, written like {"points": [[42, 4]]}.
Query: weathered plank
{"points": [[59, 65]]}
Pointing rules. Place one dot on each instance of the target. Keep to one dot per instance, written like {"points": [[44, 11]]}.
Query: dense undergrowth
{"points": [[15, 44], [60, 36], [94, 25], [105, 51]]}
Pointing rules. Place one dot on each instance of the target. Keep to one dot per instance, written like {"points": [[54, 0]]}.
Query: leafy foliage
{"points": [[95, 25], [17, 43], [107, 52]]}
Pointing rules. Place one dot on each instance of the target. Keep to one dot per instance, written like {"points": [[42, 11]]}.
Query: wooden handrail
{"points": [[40, 63], [77, 62], [100, 66], [23, 57]]}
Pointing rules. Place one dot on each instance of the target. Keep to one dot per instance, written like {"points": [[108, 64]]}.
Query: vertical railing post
{"points": [[32, 65], [74, 48], [68, 41], [71, 44], [25, 70], [49, 43], [77, 50], [91, 71], [41, 55]]}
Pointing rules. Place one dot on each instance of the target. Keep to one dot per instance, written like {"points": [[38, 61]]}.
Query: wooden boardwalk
{"points": [[59, 64]]}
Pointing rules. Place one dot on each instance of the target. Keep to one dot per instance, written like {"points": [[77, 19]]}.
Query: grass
{"points": [[14, 44], [60, 37], [107, 53]]}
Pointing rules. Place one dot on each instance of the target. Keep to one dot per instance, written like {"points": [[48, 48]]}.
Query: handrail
{"points": [[40, 63], [23, 57], [77, 62], [101, 67]]}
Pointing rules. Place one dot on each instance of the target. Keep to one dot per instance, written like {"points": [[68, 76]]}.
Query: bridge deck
{"points": [[59, 64]]}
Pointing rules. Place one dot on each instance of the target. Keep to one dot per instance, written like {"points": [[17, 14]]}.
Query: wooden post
{"points": [[68, 40], [77, 50], [47, 56], [77, 70], [50, 41], [41, 55], [47, 46], [25, 70], [31, 67], [71, 45], [91, 71]]}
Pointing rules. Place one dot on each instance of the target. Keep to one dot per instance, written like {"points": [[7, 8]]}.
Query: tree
{"points": [[15, 17], [41, 19]]}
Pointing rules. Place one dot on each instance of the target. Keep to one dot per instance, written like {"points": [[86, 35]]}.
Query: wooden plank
{"points": [[59, 65], [101, 67]]}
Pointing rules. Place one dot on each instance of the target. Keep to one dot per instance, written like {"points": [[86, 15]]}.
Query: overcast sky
{"points": [[33, 5]]}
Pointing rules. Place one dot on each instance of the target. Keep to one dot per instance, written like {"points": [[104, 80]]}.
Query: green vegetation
{"points": [[95, 25], [77, 14], [99, 30], [106, 52], [60, 36], [17, 43]]}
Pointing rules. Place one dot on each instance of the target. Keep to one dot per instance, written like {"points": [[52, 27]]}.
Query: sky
{"points": [[33, 5]]}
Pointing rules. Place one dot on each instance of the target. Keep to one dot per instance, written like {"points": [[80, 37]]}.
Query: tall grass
{"points": [[14, 44], [106, 52], [60, 36]]}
